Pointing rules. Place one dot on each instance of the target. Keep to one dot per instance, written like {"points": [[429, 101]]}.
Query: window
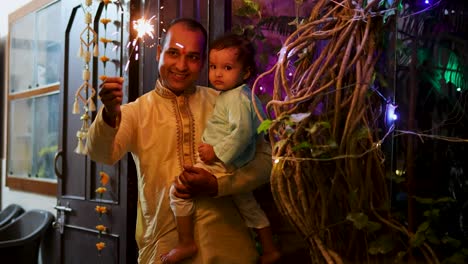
{"points": [[34, 63]]}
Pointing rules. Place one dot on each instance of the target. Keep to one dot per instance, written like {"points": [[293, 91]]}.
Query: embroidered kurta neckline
{"points": [[166, 93]]}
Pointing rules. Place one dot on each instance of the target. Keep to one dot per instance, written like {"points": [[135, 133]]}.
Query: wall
{"points": [[7, 195]]}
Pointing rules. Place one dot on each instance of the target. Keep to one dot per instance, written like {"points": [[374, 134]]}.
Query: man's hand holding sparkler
{"points": [[111, 96]]}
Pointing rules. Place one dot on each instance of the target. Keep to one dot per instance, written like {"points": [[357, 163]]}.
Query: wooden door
{"points": [[75, 226]]}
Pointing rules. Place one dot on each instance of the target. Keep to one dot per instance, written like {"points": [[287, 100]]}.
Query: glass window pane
{"points": [[22, 54], [49, 39], [19, 137], [33, 139], [45, 138]]}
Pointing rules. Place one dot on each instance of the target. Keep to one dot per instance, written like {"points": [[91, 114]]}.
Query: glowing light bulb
{"points": [[276, 161], [390, 113]]}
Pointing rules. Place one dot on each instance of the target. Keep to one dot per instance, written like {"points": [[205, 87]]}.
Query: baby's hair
{"points": [[244, 46]]}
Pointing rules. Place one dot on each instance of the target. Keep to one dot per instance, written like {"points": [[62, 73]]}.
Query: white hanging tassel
{"points": [[76, 106], [91, 105], [96, 50], [84, 135], [84, 129], [80, 51], [80, 147]]}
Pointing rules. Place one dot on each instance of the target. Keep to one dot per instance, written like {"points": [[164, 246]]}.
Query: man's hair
{"points": [[246, 50], [191, 24]]}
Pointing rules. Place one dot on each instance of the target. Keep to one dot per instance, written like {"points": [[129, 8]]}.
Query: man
{"points": [[162, 129]]}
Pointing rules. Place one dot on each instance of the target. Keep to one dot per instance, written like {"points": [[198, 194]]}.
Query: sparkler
{"points": [[145, 29]]}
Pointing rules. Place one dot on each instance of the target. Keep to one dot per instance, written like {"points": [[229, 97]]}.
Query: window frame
{"points": [[33, 185]]}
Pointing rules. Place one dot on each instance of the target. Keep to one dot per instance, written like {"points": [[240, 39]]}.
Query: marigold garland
{"points": [[100, 246], [103, 180], [85, 94], [101, 210]]}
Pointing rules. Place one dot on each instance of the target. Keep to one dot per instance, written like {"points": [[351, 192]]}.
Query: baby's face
{"points": [[225, 70]]}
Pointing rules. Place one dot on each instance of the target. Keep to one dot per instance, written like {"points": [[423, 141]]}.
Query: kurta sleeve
{"points": [[106, 144], [252, 175], [241, 127]]}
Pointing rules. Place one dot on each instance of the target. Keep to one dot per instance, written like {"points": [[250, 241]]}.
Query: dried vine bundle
{"points": [[328, 179]]}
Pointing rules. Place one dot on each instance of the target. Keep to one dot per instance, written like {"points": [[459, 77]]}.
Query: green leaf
{"points": [[332, 143], [424, 200], [248, 9], [264, 126], [302, 145], [434, 213], [313, 129], [418, 239], [373, 226], [432, 238], [382, 245], [456, 258], [280, 144], [445, 200], [325, 124], [423, 227], [316, 126], [452, 242], [359, 220]]}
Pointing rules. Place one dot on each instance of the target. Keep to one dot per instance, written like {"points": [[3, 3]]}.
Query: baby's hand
{"points": [[207, 154]]}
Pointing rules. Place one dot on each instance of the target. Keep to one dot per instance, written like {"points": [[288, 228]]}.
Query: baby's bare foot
{"points": [[179, 253], [270, 257]]}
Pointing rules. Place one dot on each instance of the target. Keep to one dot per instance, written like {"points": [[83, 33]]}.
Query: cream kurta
{"points": [[163, 131]]}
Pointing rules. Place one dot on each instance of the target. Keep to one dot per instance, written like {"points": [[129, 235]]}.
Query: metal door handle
{"points": [[57, 155], [60, 223]]}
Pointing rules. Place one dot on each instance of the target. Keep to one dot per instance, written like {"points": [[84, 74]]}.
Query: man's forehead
{"points": [[186, 46], [182, 37]]}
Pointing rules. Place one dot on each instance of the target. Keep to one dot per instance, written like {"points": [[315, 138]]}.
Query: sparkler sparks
{"points": [[144, 28]]}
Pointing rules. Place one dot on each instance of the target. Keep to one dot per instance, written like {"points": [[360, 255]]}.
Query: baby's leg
{"points": [[270, 253], [255, 218], [186, 247]]}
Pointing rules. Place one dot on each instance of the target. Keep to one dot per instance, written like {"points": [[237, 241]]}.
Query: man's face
{"points": [[180, 58]]}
